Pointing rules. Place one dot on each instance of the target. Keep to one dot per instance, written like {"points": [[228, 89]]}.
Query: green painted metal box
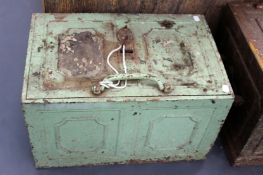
{"points": [[119, 88]]}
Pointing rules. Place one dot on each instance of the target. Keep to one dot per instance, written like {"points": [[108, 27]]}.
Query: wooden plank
{"points": [[195, 6], [121, 6], [211, 8]]}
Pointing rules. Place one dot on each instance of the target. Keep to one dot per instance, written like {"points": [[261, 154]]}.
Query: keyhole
{"points": [[127, 50]]}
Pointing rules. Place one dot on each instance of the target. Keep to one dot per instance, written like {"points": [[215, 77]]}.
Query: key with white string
{"points": [[109, 84]]}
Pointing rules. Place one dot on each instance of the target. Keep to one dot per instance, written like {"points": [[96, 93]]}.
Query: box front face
{"points": [[80, 134]]}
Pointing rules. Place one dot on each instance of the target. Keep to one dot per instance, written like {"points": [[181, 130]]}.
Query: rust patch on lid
{"points": [[81, 54], [167, 24], [125, 35], [59, 17], [187, 59], [145, 35]]}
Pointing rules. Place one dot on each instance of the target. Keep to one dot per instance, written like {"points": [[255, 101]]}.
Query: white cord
{"points": [[108, 59], [108, 83], [124, 64]]}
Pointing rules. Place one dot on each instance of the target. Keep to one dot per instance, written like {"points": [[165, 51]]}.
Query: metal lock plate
{"points": [[68, 56]]}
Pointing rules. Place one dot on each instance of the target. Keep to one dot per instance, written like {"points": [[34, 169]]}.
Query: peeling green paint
{"points": [[70, 126]]}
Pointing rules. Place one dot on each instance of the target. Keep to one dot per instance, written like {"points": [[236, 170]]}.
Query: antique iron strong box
{"points": [[107, 88]]}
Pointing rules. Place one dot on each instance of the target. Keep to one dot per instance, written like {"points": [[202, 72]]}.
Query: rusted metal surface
{"points": [[187, 59], [241, 44], [167, 24], [75, 55], [125, 35], [81, 55], [173, 105]]}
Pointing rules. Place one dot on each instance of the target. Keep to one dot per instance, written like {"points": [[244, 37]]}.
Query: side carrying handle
{"points": [[100, 87]]}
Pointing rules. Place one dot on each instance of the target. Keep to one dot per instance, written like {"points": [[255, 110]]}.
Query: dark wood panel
{"points": [[211, 8], [143, 6], [240, 41]]}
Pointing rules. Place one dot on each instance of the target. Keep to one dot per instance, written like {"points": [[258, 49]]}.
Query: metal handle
{"points": [[165, 87]]}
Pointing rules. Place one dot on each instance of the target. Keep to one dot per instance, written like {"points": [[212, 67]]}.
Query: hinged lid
{"points": [[67, 56]]}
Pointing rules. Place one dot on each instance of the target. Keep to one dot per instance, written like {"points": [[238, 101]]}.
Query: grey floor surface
{"points": [[15, 153]]}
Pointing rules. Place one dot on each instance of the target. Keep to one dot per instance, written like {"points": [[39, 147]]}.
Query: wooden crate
{"points": [[241, 45]]}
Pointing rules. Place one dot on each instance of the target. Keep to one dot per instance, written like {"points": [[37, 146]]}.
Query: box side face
{"points": [[241, 133], [105, 133], [68, 56]]}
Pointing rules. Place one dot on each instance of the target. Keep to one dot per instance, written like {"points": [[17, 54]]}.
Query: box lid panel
{"points": [[166, 55]]}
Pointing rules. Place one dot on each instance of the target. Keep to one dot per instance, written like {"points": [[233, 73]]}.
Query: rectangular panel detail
{"points": [[81, 134], [171, 132]]}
